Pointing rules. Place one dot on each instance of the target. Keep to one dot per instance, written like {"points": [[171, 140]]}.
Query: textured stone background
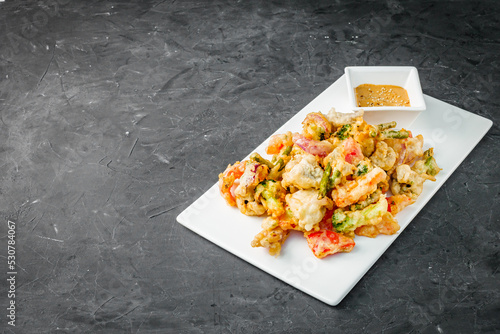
{"points": [[116, 115]]}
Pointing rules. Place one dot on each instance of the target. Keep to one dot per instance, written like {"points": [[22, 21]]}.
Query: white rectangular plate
{"points": [[453, 132]]}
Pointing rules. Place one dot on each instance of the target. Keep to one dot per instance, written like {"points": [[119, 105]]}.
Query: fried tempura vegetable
{"points": [[245, 191], [363, 136], [352, 151], [330, 182], [302, 172], [271, 239], [229, 180], [283, 157], [428, 165], [362, 168], [259, 159], [311, 146], [387, 226], [272, 196], [386, 126], [343, 132], [384, 156], [306, 208], [413, 149], [398, 203], [249, 206], [337, 160], [254, 174], [338, 118], [393, 134], [370, 199], [347, 221], [279, 142], [352, 191], [325, 242], [275, 170], [409, 182], [316, 126]]}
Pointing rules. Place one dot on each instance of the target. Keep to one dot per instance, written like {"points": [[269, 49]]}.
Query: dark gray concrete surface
{"points": [[116, 115]]}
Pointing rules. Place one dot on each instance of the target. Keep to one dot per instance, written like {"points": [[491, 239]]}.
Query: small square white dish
{"points": [[402, 76], [453, 132]]}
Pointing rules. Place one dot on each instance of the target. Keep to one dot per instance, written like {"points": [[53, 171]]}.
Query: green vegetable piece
{"points": [[430, 163], [362, 169], [280, 163], [344, 131], [324, 185], [346, 221], [270, 191], [328, 180], [278, 160], [428, 153], [372, 198], [287, 150], [393, 134], [388, 125], [257, 158], [373, 132]]}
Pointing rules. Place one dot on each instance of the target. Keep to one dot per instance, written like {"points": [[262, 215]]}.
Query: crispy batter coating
{"points": [[271, 239], [338, 178]]}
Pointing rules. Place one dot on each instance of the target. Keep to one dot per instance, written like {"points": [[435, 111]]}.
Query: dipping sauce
{"points": [[368, 95]]}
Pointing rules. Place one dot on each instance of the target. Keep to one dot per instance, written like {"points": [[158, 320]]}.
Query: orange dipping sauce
{"points": [[368, 95]]}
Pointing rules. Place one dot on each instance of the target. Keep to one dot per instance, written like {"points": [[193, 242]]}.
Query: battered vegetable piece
{"points": [[408, 181], [260, 160], [339, 118], [352, 151], [275, 170], [279, 142], [311, 146], [398, 203], [428, 165], [393, 134], [344, 131], [229, 180], [249, 206], [306, 208], [330, 182], [271, 239], [302, 172], [384, 156], [370, 199], [387, 226], [325, 242], [348, 221], [337, 160], [254, 174], [413, 149], [316, 126], [245, 191], [272, 196], [386, 126], [353, 191], [365, 135]]}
